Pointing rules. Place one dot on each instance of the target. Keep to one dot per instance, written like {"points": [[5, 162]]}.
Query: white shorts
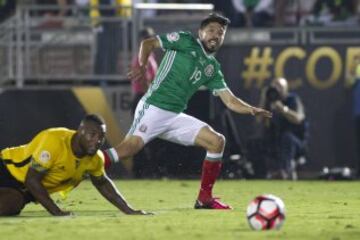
{"points": [[151, 122]]}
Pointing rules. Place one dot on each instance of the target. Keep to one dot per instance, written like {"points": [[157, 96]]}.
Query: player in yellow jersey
{"points": [[56, 160]]}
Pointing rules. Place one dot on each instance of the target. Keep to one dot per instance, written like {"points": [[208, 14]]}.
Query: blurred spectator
{"points": [[251, 13], [149, 12], [140, 86], [333, 13], [144, 160], [59, 11], [292, 12], [7, 8], [107, 17], [284, 136], [53, 17], [83, 5]]}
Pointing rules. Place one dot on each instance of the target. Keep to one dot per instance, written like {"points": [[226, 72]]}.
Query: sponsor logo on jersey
{"points": [[172, 37], [44, 156], [143, 128], [209, 70]]}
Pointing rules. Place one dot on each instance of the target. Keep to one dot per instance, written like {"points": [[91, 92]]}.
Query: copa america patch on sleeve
{"points": [[173, 37], [44, 156]]}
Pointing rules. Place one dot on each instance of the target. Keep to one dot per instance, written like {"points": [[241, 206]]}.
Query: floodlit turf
{"points": [[314, 210]]}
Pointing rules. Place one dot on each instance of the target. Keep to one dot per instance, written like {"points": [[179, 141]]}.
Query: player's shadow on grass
{"points": [[97, 213], [173, 209], [77, 213]]}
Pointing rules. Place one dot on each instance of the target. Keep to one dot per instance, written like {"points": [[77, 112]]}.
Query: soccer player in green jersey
{"points": [[188, 63]]}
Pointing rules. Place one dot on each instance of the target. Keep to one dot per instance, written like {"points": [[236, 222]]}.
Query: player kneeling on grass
{"points": [[188, 64], [56, 160]]}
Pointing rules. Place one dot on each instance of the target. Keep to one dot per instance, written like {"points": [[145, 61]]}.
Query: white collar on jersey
{"points": [[208, 55]]}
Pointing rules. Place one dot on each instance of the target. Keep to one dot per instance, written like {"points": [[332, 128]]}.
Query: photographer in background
{"points": [[284, 136]]}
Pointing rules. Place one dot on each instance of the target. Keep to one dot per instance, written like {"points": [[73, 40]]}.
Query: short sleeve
{"points": [[175, 40], [217, 83], [98, 168], [45, 153]]}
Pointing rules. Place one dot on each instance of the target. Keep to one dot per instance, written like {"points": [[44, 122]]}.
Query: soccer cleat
{"points": [[213, 203]]}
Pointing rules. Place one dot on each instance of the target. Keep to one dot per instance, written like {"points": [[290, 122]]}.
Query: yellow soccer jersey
{"points": [[50, 151]]}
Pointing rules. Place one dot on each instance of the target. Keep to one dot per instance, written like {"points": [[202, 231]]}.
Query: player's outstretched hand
{"points": [[136, 73], [261, 112]]}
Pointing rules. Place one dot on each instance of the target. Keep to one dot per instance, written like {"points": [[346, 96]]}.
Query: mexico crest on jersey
{"points": [[173, 37], [209, 70], [143, 128]]}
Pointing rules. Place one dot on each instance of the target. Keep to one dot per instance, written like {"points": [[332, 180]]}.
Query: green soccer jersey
{"points": [[185, 67]]}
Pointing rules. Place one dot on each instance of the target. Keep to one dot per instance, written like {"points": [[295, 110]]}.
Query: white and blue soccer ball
{"points": [[266, 212]]}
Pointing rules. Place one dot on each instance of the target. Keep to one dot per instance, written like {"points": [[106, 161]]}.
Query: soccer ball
{"points": [[266, 212]]}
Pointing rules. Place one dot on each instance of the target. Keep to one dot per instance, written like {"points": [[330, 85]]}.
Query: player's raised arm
{"points": [[237, 105], [107, 189], [34, 185], [146, 47]]}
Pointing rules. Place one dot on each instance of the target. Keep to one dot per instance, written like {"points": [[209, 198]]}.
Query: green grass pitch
{"points": [[314, 210]]}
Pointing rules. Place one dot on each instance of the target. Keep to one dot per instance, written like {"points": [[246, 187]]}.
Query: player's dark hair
{"points": [[215, 17], [94, 118]]}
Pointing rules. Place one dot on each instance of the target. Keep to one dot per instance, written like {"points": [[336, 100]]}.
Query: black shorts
{"points": [[8, 181]]}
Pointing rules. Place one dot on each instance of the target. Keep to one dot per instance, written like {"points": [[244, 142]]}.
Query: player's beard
{"points": [[210, 50]]}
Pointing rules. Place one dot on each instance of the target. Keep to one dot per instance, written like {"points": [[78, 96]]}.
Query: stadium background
{"points": [[48, 78]]}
